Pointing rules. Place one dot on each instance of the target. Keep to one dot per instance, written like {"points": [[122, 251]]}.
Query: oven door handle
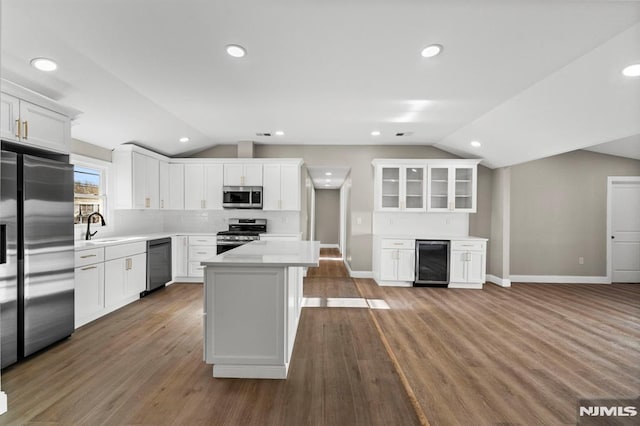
{"points": [[230, 243]]}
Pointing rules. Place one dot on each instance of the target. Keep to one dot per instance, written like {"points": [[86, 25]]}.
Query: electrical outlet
{"points": [[581, 260], [358, 221]]}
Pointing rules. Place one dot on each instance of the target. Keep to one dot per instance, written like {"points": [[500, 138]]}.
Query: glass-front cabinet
{"points": [[452, 188], [401, 188], [425, 185]]}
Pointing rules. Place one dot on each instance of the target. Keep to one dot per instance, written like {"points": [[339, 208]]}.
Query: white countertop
{"points": [[432, 237], [122, 239], [270, 253]]}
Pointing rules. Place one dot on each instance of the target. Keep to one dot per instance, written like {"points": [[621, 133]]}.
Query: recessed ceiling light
{"points": [[476, 144], [328, 180], [44, 64], [328, 174], [632, 70], [184, 139], [279, 133], [326, 184], [236, 50], [431, 51], [375, 133]]}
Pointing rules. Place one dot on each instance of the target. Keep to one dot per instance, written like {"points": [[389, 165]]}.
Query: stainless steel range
{"points": [[241, 231]]}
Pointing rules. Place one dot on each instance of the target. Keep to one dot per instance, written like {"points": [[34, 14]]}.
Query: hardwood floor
{"points": [[522, 355]]}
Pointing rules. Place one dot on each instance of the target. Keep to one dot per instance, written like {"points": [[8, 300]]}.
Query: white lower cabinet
{"points": [[125, 279], [397, 260], [89, 286], [108, 278], [201, 247], [467, 266], [179, 257]]}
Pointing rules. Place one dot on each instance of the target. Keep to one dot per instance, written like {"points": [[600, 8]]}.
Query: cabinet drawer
{"points": [[87, 257], [201, 253], [468, 245], [398, 244], [124, 250], [202, 241], [196, 269]]}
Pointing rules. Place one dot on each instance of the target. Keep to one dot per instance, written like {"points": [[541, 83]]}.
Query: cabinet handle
{"points": [[26, 129], [89, 267], [162, 204], [147, 202], [242, 180], [397, 244], [87, 255], [127, 264], [202, 204], [18, 129], [201, 252]]}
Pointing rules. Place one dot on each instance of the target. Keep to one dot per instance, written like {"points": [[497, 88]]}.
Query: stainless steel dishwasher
{"points": [[158, 264]]}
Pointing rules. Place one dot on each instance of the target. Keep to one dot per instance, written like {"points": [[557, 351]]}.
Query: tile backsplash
{"points": [[141, 222]]}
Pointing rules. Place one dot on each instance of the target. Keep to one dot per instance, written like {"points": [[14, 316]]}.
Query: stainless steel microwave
{"points": [[242, 197]]}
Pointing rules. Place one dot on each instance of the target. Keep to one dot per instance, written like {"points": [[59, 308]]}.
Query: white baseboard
{"points": [[251, 371], [199, 280], [329, 246], [3, 402], [469, 286], [394, 283], [559, 279], [357, 274], [502, 282]]}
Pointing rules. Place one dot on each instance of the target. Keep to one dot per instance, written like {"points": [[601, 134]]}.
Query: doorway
{"points": [[327, 217], [328, 209], [623, 229]]}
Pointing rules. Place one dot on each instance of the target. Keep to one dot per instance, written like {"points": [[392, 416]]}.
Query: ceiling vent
{"points": [[264, 134]]}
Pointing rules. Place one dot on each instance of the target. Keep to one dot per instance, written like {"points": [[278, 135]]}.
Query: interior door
{"points": [[625, 232]]}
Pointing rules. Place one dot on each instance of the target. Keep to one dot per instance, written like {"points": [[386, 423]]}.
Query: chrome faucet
{"points": [[89, 234]]}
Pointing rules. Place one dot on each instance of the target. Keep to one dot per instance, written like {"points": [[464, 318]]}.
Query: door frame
{"points": [[611, 181]]}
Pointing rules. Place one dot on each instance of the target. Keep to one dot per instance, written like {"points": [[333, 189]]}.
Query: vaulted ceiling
{"points": [[527, 79]]}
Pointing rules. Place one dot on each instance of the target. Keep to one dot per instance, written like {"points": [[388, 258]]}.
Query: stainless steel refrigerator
{"points": [[37, 254]]}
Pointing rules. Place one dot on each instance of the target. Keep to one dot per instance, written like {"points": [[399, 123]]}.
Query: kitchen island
{"points": [[252, 304]]}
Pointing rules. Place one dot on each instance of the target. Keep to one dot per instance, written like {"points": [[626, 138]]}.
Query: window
{"points": [[89, 193]]}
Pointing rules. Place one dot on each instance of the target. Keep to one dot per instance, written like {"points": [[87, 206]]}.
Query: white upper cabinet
{"points": [[203, 186], [400, 187], [146, 182], [137, 178], [171, 186], [428, 185], [452, 188], [29, 124], [9, 117], [243, 174], [281, 187]]}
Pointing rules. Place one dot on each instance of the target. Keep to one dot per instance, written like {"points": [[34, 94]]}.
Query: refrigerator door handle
{"points": [[3, 244]]}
